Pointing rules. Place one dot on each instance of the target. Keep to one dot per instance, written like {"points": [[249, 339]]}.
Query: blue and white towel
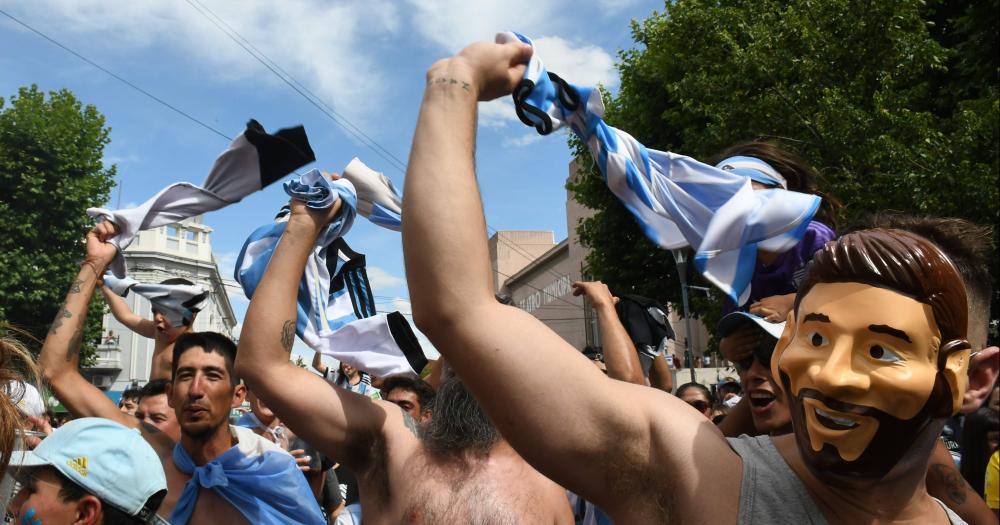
{"points": [[335, 306], [177, 302], [677, 200], [256, 477], [254, 160]]}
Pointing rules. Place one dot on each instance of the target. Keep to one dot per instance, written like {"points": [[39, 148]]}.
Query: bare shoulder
{"points": [[665, 477]]}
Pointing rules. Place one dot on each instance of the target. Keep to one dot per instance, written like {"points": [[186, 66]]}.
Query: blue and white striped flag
{"points": [[677, 200], [253, 160], [336, 313]]}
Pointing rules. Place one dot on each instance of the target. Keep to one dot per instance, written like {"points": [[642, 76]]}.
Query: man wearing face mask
{"points": [[506, 358]]}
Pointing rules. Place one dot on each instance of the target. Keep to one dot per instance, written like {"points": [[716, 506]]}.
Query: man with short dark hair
{"points": [[129, 400], [154, 408], [90, 471], [216, 473], [665, 457], [413, 395]]}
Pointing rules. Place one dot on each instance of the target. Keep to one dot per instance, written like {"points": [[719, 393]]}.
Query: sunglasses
{"points": [[762, 352], [700, 406]]}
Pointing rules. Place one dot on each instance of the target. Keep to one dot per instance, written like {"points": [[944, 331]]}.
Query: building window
{"points": [[172, 231], [191, 247], [190, 235], [173, 244]]}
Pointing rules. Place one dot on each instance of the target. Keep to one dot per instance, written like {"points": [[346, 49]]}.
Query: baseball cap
{"points": [[736, 320], [105, 458]]}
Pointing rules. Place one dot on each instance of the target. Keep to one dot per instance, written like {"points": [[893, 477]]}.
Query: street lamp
{"points": [[680, 257]]}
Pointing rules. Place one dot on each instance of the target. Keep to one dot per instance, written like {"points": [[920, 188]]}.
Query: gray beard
{"points": [[458, 422]]}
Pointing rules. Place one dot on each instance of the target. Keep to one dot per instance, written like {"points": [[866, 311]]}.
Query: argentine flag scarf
{"points": [[335, 307], [677, 200], [253, 160], [256, 477]]}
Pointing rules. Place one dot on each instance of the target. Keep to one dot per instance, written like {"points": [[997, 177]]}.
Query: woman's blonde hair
{"points": [[16, 364]]}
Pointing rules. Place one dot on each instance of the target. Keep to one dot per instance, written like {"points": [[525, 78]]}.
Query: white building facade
{"points": [[177, 250]]}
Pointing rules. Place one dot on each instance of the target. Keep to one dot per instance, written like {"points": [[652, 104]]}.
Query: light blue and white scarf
{"points": [[378, 199], [256, 477], [677, 200], [335, 307], [254, 160]]}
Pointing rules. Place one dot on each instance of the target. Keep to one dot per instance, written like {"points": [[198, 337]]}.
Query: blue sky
{"points": [[366, 59]]}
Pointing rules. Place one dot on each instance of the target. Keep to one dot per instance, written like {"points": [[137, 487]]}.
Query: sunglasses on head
{"points": [[762, 352]]}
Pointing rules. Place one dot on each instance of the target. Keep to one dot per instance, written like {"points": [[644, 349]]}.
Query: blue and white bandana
{"points": [[677, 200]]}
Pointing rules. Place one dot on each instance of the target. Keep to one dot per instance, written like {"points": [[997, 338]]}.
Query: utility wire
{"points": [[117, 77], [299, 88], [318, 102], [388, 156]]}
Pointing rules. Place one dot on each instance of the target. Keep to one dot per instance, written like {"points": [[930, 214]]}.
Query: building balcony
{"points": [[108, 356]]}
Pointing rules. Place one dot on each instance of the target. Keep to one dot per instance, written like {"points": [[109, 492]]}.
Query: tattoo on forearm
{"points": [[61, 315], [74, 344], [288, 335], [443, 81], [76, 286], [954, 483]]}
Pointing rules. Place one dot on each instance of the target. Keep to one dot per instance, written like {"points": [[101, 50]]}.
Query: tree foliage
{"points": [[51, 171], [895, 103]]}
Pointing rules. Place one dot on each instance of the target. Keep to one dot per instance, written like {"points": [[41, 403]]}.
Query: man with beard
{"points": [[215, 473], [459, 472], [647, 457]]}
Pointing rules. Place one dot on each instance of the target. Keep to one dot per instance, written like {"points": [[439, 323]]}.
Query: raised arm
{"points": [[60, 355], [619, 353], [125, 316], [585, 426], [318, 365], [660, 376], [340, 423]]}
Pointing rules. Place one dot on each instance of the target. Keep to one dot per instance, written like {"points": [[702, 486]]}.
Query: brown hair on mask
{"points": [[905, 263]]}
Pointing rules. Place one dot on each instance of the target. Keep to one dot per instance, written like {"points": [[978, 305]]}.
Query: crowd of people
{"points": [[855, 354]]}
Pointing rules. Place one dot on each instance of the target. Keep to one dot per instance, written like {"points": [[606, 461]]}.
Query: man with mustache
{"points": [[456, 470], [216, 473], [642, 455]]}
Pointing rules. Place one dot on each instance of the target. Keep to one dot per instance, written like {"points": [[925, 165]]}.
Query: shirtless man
{"points": [[163, 333], [203, 390], [463, 473], [645, 456]]}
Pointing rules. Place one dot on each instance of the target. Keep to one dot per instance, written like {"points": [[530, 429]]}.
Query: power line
{"points": [[299, 88], [116, 77], [316, 101]]}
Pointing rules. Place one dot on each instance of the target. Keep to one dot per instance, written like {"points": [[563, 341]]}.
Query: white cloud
{"points": [[453, 24], [381, 279], [585, 65], [324, 45], [497, 113], [522, 141]]}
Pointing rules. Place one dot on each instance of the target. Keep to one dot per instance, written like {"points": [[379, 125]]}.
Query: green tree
{"points": [[895, 103], [51, 171]]}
